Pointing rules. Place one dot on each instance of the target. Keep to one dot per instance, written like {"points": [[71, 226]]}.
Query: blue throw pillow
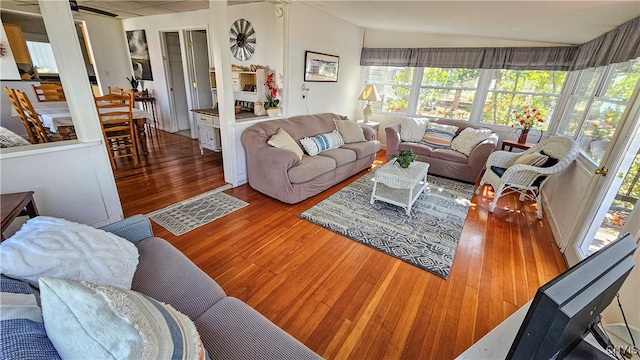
{"points": [[323, 142]]}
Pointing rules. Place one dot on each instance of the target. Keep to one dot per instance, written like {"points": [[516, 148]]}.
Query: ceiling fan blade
{"points": [[97, 11]]}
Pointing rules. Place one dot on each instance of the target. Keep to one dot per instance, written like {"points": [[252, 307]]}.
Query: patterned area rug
{"points": [[428, 239], [187, 215]]}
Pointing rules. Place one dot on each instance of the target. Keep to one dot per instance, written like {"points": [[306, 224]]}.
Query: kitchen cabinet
{"points": [[208, 132], [247, 85], [17, 43]]}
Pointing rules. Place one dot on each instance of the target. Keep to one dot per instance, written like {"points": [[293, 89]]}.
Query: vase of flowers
{"points": [[134, 83], [526, 118], [271, 104]]}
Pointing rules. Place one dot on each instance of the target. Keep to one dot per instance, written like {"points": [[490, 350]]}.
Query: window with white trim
{"points": [[458, 93], [596, 105], [42, 57]]}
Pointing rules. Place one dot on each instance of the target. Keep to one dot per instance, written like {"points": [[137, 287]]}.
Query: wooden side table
{"points": [[14, 205], [372, 124], [515, 144]]}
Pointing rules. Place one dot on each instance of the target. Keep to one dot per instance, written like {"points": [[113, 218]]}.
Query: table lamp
{"points": [[370, 93]]}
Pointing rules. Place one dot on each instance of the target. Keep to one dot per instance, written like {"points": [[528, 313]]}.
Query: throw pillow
{"points": [[550, 162], [323, 142], [350, 131], [439, 135], [107, 322], [23, 335], [47, 246], [283, 140], [468, 138], [413, 129], [533, 159]]}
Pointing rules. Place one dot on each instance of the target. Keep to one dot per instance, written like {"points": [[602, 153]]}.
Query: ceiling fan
{"points": [[75, 7]]}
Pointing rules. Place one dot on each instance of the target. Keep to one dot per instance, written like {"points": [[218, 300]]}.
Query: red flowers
{"points": [[272, 93], [527, 117]]}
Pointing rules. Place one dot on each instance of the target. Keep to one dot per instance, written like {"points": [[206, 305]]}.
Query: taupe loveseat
{"points": [[445, 162], [279, 173]]}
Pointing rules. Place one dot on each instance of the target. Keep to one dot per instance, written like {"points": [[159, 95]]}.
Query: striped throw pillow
{"points": [[323, 142], [23, 335], [107, 322], [439, 135]]}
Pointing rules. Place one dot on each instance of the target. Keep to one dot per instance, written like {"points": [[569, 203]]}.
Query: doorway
{"points": [[198, 67], [180, 118]]}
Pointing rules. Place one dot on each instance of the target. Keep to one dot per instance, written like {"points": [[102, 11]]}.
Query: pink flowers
{"points": [[527, 117]]}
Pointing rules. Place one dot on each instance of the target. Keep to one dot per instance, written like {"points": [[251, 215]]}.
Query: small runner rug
{"points": [[428, 239], [192, 213]]}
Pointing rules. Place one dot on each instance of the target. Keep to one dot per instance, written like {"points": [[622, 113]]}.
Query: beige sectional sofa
{"points": [[281, 174], [445, 162]]}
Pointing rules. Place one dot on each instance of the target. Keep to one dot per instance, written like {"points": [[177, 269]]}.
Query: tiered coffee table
{"points": [[399, 186]]}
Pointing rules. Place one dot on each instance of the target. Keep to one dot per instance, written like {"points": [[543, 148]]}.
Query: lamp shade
{"points": [[369, 93]]}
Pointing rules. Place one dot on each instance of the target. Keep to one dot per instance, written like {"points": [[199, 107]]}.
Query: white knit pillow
{"points": [[47, 246], [413, 129], [468, 138], [533, 159]]}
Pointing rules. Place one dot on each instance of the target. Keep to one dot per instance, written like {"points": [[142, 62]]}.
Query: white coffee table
{"points": [[399, 186]]}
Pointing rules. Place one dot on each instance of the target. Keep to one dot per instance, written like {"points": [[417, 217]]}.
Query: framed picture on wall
{"points": [[139, 51], [320, 67]]}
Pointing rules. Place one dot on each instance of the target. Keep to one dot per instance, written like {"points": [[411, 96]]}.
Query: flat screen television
{"points": [[568, 307]]}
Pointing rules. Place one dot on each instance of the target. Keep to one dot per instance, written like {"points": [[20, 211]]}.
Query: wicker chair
{"points": [[506, 177]]}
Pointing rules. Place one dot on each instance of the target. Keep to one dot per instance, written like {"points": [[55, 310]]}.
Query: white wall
{"points": [[320, 32], [110, 52]]}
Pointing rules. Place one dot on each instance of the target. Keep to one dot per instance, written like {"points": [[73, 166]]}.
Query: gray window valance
{"points": [[619, 45]]}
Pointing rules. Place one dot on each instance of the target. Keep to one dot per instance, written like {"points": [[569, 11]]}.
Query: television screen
{"points": [[565, 309]]}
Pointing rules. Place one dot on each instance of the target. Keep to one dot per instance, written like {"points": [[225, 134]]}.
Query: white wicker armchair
{"points": [[526, 179]]}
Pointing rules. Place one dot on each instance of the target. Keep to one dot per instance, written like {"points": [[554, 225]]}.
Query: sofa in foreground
{"points": [[464, 164], [283, 171], [227, 327]]}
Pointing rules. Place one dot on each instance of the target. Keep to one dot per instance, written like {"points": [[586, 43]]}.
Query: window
{"points": [[448, 93], [511, 90], [393, 85], [42, 57], [458, 93], [596, 104]]}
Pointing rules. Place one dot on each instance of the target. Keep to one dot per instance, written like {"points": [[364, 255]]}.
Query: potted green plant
{"points": [[134, 83], [404, 158]]}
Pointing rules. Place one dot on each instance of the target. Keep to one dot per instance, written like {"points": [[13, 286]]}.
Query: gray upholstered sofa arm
{"points": [[134, 228]]}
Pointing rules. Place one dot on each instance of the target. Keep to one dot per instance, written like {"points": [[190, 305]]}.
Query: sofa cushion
{"points": [[163, 267], [417, 148], [439, 135], [363, 149], [413, 129], [449, 155], [233, 330], [349, 130], [468, 138], [309, 168], [323, 142], [23, 335], [283, 140], [47, 246], [341, 156], [104, 322]]}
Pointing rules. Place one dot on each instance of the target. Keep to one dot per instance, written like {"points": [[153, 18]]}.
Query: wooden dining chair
{"points": [[115, 90], [43, 133], [118, 129], [49, 92], [29, 127]]}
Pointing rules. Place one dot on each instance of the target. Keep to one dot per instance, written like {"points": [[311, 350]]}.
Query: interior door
{"points": [[176, 78], [198, 58]]}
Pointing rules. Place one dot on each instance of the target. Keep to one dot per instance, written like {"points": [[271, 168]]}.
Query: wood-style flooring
{"points": [[342, 299]]}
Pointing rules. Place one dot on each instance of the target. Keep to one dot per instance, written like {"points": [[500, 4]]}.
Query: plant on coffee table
{"points": [[404, 158]]}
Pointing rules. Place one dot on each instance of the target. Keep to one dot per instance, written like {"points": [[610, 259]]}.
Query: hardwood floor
{"points": [[342, 299]]}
